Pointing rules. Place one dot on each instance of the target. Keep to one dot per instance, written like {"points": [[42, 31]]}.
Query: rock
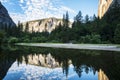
{"points": [[47, 24], [4, 16], [104, 6]]}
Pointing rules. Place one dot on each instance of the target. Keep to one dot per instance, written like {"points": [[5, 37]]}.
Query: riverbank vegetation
{"points": [[84, 30]]}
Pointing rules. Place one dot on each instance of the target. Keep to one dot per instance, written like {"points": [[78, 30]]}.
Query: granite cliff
{"points": [[47, 24], [104, 6], [4, 16]]}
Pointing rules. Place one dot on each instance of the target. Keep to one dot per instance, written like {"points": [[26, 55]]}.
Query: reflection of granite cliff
{"points": [[41, 60], [4, 16], [102, 75], [100, 61]]}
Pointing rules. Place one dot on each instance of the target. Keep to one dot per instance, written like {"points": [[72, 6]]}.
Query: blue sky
{"points": [[26, 10]]}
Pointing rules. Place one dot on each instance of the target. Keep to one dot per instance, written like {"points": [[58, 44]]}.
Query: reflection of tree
{"points": [[6, 60], [92, 60], [65, 66], [78, 70], [109, 62]]}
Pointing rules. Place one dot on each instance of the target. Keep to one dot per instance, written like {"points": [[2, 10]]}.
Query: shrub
{"points": [[94, 38], [13, 40]]}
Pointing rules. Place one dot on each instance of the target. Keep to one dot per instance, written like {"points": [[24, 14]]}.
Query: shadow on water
{"points": [[107, 64]]}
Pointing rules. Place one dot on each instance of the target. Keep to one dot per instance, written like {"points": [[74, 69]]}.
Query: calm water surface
{"points": [[36, 63]]}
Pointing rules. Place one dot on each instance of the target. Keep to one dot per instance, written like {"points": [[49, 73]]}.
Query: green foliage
{"points": [[13, 40], [26, 40], [95, 39], [54, 41], [27, 27], [86, 19], [39, 39], [88, 30], [111, 19], [78, 17], [117, 34], [2, 35]]}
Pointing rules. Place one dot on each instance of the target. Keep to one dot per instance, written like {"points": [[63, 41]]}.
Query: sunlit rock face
{"points": [[103, 7], [41, 60], [47, 24], [4, 16]]}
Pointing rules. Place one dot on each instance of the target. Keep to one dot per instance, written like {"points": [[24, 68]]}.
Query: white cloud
{"points": [[38, 9], [64, 8], [17, 17]]}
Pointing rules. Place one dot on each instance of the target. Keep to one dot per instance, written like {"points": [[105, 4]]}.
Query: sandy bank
{"points": [[75, 46]]}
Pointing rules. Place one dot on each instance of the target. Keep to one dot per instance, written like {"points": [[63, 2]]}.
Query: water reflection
{"points": [[41, 60], [80, 64], [102, 75]]}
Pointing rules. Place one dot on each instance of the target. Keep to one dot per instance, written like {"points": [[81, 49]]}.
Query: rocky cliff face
{"points": [[4, 16], [47, 24], [103, 7]]}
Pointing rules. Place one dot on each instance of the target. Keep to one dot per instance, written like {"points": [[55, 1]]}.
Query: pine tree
{"points": [[86, 19], [78, 17], [27, 28], [66, 20]]}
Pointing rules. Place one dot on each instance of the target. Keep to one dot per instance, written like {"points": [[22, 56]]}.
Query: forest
{"points": [[84, 30]]}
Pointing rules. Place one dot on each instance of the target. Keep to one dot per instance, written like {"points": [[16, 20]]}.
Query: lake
{"points": [[38, 63]]}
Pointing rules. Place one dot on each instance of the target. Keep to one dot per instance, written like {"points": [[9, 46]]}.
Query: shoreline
{"points": [[104, 47]]}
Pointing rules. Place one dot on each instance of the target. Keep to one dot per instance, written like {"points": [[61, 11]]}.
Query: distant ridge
{"points": [[4, 16]]}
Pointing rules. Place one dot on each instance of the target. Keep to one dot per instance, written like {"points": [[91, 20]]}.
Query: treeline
{"points": [[84, 30]]}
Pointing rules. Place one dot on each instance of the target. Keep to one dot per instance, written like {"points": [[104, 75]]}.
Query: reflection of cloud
{"points": [[30, 72], [38, 9], [4, 0], [21, 1]]}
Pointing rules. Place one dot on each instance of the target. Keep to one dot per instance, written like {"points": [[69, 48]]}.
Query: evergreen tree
{"points": [[86, 19], [19, 29], [110, 21], [27, 28], [78, 17], [67, 19]]}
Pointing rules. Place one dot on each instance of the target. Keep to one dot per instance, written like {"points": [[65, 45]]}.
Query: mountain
{"points": [[4, 16], [47, 24], [104, 6]]}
